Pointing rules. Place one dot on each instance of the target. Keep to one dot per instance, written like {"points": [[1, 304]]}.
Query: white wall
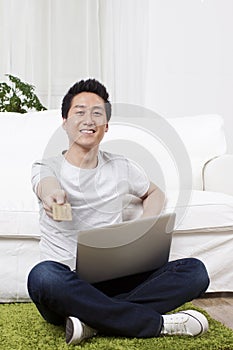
{"points": [[190, 59]]}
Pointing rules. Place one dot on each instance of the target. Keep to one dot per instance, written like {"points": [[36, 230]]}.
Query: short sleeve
{"points": [[137, 179]]}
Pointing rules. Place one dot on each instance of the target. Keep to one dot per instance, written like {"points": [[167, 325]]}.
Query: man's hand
{"points": [[50, 191], [58, 196]]}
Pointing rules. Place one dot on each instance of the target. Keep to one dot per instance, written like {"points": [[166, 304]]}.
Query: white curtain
{"points": [[53, 43], [124, 41], [49, 43], [148, 52], [24, 41]]}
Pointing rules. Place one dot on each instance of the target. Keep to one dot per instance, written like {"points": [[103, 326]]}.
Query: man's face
{"points": [[86, 122]]}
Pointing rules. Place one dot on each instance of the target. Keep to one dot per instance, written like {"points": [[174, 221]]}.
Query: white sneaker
{"points": [[77, 331], [188, 322]]}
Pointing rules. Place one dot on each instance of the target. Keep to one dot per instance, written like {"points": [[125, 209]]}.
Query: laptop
{"points": [[128, 248]]}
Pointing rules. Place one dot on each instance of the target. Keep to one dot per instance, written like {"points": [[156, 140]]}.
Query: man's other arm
{"points": [[153, 201]]}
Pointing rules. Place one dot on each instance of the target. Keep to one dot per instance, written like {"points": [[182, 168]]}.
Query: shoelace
{"points": [[177, 325], [88, 331]]}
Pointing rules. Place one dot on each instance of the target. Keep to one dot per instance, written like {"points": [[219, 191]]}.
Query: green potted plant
{"points": [[18, 97]]}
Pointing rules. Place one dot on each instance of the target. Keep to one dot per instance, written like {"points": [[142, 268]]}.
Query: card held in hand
{"points": [[62, 212]]}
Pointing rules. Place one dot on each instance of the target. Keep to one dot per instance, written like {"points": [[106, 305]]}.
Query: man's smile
{"points": [[87, 131]]}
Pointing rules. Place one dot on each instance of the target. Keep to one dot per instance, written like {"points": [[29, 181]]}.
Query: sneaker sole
{"points": [[70, 331]]}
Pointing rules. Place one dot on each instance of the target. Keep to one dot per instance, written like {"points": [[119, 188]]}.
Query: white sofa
{"points": [[187, 157]]}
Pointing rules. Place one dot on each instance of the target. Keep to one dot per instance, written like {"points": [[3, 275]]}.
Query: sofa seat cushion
{"points": [[18, 206], [206, 233], [206, 212]]}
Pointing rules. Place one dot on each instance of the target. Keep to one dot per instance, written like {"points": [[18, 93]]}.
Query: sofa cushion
{"points": [[164, 147]]}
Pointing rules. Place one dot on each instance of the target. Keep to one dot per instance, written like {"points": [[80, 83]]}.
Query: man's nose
{"points": [[88, 120]]}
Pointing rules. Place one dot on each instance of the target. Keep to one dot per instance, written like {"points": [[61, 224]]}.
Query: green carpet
{"points": [[22, 328]]}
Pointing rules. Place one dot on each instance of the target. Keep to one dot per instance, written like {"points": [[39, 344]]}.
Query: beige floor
{"points": [[219, 306]]}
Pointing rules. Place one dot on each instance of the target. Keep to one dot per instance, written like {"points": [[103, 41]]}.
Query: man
{"points": [[94, 183]]}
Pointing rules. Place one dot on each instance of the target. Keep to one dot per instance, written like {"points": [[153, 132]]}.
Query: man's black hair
{"points": [[89, 85]]}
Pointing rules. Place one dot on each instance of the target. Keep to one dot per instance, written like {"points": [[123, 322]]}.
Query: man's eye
{"points": [[80, 113], [97, 114]]}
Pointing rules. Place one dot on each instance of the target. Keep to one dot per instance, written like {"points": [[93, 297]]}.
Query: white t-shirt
{"points": [[96, 197]]}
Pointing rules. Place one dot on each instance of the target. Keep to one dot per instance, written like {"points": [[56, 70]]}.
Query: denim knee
{"points": [[201, 274], [43, 277]]}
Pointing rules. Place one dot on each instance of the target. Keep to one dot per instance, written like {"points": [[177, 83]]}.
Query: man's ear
{"points": [[106, 127], [64, 120]]}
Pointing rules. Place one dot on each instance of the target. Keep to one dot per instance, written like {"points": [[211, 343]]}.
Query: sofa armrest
{"points": [[218, 174]]}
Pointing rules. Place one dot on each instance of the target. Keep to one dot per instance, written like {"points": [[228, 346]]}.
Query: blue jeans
{"points": [[131, 306]]}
